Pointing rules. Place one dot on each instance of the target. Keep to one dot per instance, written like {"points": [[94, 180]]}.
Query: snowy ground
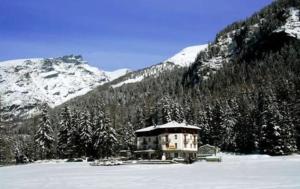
{"points": [[235, 172]]}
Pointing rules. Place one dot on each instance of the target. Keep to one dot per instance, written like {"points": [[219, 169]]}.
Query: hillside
{"points": [[182, 59]]}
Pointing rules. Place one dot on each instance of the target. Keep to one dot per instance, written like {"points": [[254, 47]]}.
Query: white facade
{"points": [[172, 139], [169, 142]]}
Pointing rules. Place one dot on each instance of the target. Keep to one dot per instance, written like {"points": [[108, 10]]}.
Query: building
{"points": [[168, 141]]}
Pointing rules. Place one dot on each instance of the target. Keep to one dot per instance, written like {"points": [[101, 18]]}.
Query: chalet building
{"points": [[168, 141]]}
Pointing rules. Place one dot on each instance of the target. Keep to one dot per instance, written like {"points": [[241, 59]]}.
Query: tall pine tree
{"points": [[44, 136]]}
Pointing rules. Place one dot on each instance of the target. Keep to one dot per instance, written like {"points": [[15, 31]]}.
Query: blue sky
{"points": [[114, 34]]}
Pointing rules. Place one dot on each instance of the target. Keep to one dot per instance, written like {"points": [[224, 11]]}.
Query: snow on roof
{"points": [[172, 124]]}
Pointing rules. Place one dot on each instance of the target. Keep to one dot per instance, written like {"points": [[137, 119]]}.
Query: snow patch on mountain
{"points": [[25, 84], [186, 56], [117, 73], [292, 25], [132, 80], [226, 46]]}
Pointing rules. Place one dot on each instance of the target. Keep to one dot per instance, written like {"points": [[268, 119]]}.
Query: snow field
{"points": [[235, 172]]}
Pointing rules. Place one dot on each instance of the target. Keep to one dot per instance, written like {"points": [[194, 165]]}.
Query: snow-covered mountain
{"points": [[225, 45], [27, 83], [184, 58], [292, 25]]}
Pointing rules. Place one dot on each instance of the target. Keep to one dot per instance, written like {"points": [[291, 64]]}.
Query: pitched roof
{"points": [[172, 124]]}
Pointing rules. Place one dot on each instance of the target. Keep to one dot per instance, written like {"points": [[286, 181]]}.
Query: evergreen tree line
{"points": [[86, 133], [267, 87]]}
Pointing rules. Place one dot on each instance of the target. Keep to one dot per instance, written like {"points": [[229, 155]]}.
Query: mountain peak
{"points": [[186, 56], [52, 81]]}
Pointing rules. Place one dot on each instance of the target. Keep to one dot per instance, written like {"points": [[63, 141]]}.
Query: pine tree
{"points": [[74, 145], [288, 135], [245, 133], [177, 112], [110, 140], [127, 137], [296, 114], [277, 137], [228, 124], [86, 132], [98, 132], [139, 119], [44, 135], [104, 137], [218, 128], [205, 124], [189, 111], [166, 110], [64, 129]]}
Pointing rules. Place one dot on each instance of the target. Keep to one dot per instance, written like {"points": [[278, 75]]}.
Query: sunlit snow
{"points": [[292, 25], [234, 172], [27, 83], [184, 58], [187, 56]]}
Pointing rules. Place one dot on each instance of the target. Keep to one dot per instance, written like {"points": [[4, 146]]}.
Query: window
{"points": [[195, 140], [176, 155], [149, 139], [167, 138], [175, 145], [175, 137]]}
